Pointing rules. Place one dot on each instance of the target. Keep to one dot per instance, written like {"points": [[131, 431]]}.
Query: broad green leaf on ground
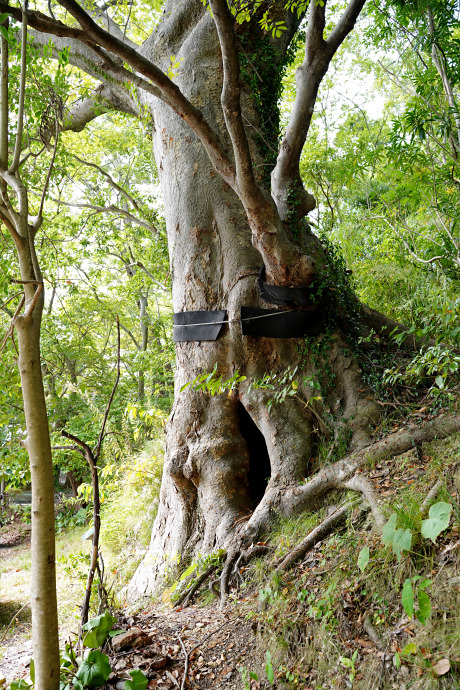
{"points": [[438, 520], [389, 530], [363, 558], [138, 682], [98, 629], [95, 669]]}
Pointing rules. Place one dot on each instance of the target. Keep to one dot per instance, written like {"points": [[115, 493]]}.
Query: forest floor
{"points": [[323, 625]]}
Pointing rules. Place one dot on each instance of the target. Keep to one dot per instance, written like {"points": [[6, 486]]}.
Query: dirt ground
{"points": [[215, 644]]}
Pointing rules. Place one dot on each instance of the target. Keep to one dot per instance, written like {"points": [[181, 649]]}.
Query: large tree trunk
{"points": [[226, 456]]}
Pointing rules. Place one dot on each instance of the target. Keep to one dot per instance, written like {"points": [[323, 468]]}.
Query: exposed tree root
{"points": [[316, 535], [344, 474], [235, 559], [372, 633], [232, 556], [362, 484], [294, 499], [384, 326], [185, 598], [251, 553], [431, 495], [435, 489]]}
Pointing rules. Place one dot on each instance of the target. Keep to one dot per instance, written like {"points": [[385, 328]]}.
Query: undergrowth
{"points": [[359, 611]]}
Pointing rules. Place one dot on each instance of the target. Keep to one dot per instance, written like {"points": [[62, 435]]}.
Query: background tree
{"points": [[23, 221]]}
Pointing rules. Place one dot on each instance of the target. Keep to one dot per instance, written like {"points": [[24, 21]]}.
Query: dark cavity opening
{"points": [[259, 461]]}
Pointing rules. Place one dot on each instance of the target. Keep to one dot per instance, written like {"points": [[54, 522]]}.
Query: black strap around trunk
{"points": [[284, 296], [197, 325], [271, 323]]}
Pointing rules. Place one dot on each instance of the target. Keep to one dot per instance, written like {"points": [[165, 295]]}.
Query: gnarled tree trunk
{"points": [[228, 456]]}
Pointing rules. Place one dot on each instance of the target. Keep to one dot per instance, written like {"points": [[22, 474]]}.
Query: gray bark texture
{"points": [[213, 480]]}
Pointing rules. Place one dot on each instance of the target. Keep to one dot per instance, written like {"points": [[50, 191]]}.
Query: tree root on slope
{"points": [[328, 525], [343, 474], [187, 595]]}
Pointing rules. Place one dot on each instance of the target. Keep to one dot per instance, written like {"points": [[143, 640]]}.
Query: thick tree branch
{"points": [[231, 105], [287, 186], [167, 90], [345, 24], [161, 86]]}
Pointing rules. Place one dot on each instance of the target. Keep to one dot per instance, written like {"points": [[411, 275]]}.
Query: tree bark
{"points": [[225, 455], [43, 581]]}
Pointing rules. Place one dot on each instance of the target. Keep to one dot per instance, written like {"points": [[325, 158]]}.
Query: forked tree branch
{"points": [[318, 55], [161, 86]]}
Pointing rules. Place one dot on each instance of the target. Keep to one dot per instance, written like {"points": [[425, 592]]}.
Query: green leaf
{"points": [[424, 584], [363, 558], [32, 671], [439, 381], [95, 669], [269, 668], [408, 598], [19, 685], [98, 629], [402, 541], [424, 606], [410, 648], [138, 682], [438, 520], [389, 530]]}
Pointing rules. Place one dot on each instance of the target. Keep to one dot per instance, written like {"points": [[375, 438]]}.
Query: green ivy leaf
{"points": [[138, 682], [95, 669], [363, 558], [438, 520]]}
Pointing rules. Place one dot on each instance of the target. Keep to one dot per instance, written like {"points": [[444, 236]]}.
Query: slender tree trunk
{"points": [[144, 328], [43, 581]]}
